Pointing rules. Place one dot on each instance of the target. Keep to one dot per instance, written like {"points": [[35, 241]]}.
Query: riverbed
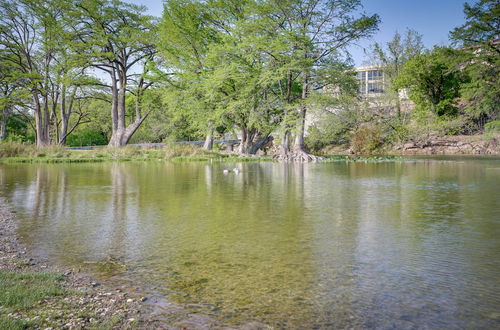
{"points": [[402, 244]]}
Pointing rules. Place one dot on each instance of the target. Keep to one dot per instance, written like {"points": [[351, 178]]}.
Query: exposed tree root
{"points": [[297, 156]]}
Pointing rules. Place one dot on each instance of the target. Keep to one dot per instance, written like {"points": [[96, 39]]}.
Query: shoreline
{"points": [[81, 301], [87, 303]]}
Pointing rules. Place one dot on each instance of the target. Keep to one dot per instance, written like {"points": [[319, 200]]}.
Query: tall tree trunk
{"points": [[3, 124], [285, 143], [299, 152], [398, 105], [40, 124], [242, 149], [66, 109], [121, 133], [209, 139]]}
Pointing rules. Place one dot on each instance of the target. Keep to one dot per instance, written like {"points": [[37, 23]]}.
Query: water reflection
{"points": [[410, 244]]}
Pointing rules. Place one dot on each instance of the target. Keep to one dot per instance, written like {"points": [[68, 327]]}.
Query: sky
{"points": [[434, 19]]}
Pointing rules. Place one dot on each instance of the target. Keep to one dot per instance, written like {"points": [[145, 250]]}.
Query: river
{"points": [[405, 244]]}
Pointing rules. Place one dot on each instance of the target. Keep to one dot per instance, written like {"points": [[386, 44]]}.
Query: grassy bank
{"points": [[28, 153], [22, 295]]}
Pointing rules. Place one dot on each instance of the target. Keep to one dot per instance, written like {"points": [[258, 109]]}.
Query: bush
{"points": [[492, 126], [366, 139], [86, 137]]}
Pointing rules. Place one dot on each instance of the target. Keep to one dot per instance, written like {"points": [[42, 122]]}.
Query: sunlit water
{"points": [[411, 244]]}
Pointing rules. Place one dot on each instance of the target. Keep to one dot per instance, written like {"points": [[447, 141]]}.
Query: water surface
{"points": [[388, 245]]}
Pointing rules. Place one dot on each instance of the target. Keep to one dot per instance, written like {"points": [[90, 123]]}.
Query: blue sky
{"points": [[432, 18]]}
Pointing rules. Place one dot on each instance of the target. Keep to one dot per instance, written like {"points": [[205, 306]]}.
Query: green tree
{"points": [[480, 60], [432, 82], [187, 30], [42, 44], [120, 37], [392, 57], [315, 33]]}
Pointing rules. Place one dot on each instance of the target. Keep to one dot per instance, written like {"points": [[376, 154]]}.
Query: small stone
{"points": [[130, 300], [131, 319], [95, 284], [144, 299]]}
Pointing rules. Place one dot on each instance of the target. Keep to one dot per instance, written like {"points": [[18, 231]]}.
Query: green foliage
{"points": [[24, 290], [332, 127], [432, 81], [397, 52], [480, 60], [492, 126], [86, 137]]}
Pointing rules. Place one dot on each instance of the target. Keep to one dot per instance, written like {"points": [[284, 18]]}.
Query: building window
{"points": [[362, 88], [375, 87], [374, 75]]}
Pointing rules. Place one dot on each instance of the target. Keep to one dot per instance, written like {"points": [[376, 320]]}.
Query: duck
{"points": [[236, 170], [225, 171]]}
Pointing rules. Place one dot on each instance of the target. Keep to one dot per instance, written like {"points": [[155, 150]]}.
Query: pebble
{"points": [[130, 300]]}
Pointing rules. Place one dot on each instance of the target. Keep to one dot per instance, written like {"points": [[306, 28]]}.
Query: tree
{"points": [[316, 32], [120, 37], [393, 56], [41, 45], [12, 93], [28, 34], [432, 82], [480, 59], [187, 30]]}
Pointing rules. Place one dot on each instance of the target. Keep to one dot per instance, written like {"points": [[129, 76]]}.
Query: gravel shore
{"points": [[88, 303]]}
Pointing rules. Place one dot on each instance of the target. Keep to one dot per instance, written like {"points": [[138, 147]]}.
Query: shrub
{"points": [[86, 137], [492, 126], [366, 139]]}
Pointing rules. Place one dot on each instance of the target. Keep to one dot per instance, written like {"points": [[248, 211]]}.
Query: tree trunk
{"points": [[252, 141], [3, 124], [258, 143], [209, 140], [66, 110], [398, 105], [121, 133], [42, 136], [298, 152]]}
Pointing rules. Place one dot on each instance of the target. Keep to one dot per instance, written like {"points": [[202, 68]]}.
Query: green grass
{"points": [[14, 324], [28, 153], [41, 300], [22, 292]]}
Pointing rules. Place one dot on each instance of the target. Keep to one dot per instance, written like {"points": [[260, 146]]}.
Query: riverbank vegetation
{"points": [[13, 152], [276, 75]]}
